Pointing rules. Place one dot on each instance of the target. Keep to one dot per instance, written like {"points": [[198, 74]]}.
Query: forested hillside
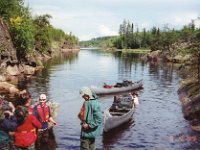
{"points": [[103, 42], [155, 39], [29, 32]]}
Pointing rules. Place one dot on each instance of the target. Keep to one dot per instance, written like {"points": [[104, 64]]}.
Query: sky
{"points": [[88, 19]]}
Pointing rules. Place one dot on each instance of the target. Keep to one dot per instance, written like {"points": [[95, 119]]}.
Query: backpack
{"points": [[4, 105]]}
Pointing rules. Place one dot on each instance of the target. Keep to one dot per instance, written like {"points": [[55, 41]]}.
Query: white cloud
{"points": [[86, 37], [89, 19], [197, 23], [177, 20], [106, 31]]}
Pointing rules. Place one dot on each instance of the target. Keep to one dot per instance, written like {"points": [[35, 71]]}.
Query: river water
{"points": [[158, 122]]}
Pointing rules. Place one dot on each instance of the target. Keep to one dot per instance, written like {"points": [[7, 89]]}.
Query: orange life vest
{"points": [[43, 112], [81, 113]]}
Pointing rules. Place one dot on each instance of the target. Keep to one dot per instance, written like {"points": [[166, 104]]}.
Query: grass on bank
{"points": [[141, 51]]}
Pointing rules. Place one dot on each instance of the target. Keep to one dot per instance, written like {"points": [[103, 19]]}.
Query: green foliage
{"points": [[42, 38], [22, 36], [20, 22], [192, 66], [21, 31], [10, 8], [128, 37], [46, 34], [165, 39], [42, 21], [107, 41], [145, 39], [71, 41], [186, 34], [56, 34], [27, 32], [194, 48]]}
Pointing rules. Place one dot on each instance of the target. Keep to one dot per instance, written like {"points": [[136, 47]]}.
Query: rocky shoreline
{"points": [[12, 73], [189, 95], [189, 90]]}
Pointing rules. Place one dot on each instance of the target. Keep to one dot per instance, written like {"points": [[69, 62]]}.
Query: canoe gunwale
{"points": [[112, 121], [101, 90]]}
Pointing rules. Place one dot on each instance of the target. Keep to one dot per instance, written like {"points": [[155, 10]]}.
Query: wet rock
{"points": [[28, 70], [2, 78], [13, 70], [189, 95]]}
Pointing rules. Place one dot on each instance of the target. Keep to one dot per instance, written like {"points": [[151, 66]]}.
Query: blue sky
{"points": [[88, 19]]}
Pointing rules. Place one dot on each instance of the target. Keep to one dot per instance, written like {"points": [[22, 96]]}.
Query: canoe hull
{"points": [[101, 90], [111, 122]]}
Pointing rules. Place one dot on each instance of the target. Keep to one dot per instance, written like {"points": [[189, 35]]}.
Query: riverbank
{"points": [[165, 56], [139, 51], [189, 95], [12, 73], [189, 87]]}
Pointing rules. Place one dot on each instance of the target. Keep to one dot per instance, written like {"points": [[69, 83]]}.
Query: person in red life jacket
{"points": [[43, 114], [25, 134], [25, 100]]}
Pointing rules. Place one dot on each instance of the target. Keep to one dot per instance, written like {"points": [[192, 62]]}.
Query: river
{"points": [[158, 122]]}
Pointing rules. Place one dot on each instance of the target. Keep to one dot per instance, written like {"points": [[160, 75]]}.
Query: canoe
{"points": [[120, 112], [102, 90]]}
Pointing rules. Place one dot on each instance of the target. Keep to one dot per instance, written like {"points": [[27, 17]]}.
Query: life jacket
{"points": [[25, 134], [24, 139], [43, 112], [81, 113]]}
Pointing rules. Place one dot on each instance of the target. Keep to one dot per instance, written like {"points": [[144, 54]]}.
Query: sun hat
{"points": [[86, 91], [43, 96]]}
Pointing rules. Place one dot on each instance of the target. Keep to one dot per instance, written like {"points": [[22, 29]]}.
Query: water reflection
{"points": [[111, 137], [50, 144], [42, 79], [126, 63]]}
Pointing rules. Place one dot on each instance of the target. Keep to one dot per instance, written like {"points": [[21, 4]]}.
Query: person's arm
{"points": [[50, 117], [36, 122], [97, 117], [52, 120]]}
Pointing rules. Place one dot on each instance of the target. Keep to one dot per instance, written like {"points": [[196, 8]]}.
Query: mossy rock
{"points": [[39, 62]]}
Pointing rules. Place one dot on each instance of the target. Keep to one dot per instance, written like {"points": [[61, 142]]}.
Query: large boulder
{"points": [[13, 70], [2, 78], [8, 88], [29, 70], [189, 95]]}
